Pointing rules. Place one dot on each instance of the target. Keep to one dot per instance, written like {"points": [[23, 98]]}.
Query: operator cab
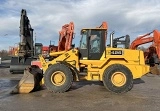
{"points": [[92, 44], [38, 49]]}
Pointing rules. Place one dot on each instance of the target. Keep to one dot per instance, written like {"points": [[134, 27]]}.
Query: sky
{"points": [[132, 17]]}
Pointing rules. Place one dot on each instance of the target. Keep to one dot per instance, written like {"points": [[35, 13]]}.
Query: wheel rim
{"points": [[58, 78], [118, 79]]}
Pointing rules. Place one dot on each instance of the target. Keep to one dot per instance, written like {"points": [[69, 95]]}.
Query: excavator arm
{"points": [[66, 35], [141, 40], [156, 42], [26, 48], [103, 26], [25, 51]]}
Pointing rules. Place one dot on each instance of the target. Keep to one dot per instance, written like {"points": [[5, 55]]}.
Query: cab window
{"points": [[95, 44], [83, 43]]}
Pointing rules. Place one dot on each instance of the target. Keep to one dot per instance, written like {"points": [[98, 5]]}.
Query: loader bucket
{"points": [[30, 80]]}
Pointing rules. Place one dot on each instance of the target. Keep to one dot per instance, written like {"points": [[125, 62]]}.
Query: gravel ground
{"points": [[83, 96]]}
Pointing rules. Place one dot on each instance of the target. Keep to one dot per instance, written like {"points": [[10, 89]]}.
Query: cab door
{"points": [[83, 49], [96, 44]]}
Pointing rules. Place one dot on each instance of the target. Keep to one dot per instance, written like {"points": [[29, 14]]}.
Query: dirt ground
{"points": [[83, 96]]}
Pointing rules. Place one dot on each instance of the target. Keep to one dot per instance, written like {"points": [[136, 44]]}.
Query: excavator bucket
{"points": [[155, 70], [30, 80]]}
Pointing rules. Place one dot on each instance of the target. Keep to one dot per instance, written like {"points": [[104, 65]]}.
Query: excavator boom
{"points": [[141, 40], [66, 36], [156, 42], [26, 35], [155, 38]]}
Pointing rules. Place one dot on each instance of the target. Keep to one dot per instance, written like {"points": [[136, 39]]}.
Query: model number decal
{"points": [[115, 52]]}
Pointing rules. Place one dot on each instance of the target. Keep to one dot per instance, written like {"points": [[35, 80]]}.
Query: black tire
{"points": [[74, 71], [62, 69], [110, 71]]}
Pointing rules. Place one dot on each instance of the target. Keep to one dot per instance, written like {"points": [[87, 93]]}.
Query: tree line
{"points": [[4, 54]]}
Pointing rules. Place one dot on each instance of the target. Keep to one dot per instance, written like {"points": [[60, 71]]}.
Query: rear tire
{"points": [[58, 78], [118, 78]]}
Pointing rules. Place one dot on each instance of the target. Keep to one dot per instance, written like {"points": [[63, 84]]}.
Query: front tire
{"points": [[118, 78], [58, 78]]}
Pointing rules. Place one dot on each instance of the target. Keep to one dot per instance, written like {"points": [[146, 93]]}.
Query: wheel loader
{"points": [[92, 61]]}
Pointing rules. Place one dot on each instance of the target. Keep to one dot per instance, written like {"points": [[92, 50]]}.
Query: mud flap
{"points": [[30, 80]]}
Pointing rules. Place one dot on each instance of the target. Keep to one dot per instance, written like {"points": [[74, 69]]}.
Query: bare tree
{"points": [[4, 54]]}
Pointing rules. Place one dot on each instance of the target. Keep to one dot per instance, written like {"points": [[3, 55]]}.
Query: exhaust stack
{"points": [[111, 39]]}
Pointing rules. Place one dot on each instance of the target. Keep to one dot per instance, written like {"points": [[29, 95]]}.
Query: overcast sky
{"points": [[133, 17]]}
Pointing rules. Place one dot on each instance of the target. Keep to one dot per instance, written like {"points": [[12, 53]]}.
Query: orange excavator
{"points": [[155, 38], [152, 54], [66, 35]]}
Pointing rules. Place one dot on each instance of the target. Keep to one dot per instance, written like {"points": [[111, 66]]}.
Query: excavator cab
{"points": [[38, 49]]}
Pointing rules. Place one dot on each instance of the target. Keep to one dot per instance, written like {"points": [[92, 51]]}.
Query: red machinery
{"points": [[142, 40], [65, 38], [147, 38], [45, 50], [155, 38]]}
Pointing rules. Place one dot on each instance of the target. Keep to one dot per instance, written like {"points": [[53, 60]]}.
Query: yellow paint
{"points": [[132, 59], [118, 79], [58, 78]]}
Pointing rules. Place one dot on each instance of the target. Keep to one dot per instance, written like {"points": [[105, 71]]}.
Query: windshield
{"points": [[83, 42], [38, 50], [94, 37]]}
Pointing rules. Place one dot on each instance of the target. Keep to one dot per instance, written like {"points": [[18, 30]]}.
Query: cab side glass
{"points": [[83, 44]]}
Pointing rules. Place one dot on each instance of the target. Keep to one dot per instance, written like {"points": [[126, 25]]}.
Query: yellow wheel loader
{"points": [[93, 61]]}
